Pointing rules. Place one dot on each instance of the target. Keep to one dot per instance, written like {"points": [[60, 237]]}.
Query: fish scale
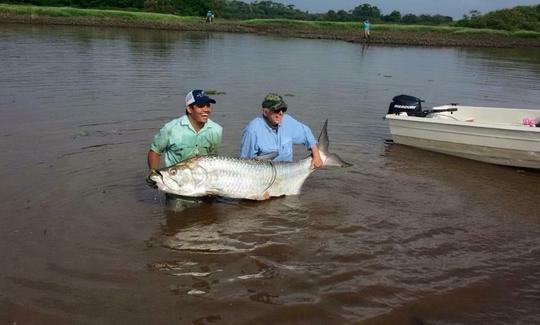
{"points": [[238, 177]]}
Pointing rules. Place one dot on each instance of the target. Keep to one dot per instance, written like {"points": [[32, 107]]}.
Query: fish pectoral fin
{"points": [[215, 191], [268, 156], [259, 197]]}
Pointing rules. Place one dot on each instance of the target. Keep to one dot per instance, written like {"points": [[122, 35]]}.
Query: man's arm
{"points": [[301, 133], [158, 145], [153, 163], [247, 145], [153, 159]]}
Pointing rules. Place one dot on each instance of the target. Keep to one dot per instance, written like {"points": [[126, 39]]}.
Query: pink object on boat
{"points": [[528, 122]]}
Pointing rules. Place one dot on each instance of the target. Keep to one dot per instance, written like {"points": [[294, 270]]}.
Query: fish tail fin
{"points": [[335, 161], [323, 139], [330, 159]]}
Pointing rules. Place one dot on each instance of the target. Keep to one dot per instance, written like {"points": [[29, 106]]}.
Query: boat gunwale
{"points": [[471, 124]]}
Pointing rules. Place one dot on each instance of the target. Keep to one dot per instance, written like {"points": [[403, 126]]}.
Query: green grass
{"points": [[302, 24], [355, 27], [413, 28], [526, 34], [495, 32], [473, 31], [68, 12]]}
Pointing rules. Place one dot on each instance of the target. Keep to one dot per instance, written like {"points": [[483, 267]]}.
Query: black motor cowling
{"points": [[408, 104]]}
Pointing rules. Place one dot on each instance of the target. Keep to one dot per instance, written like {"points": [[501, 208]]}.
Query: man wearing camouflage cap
{"points": [[273, 134]]}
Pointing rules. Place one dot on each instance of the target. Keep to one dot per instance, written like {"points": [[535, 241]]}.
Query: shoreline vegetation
{"points": [[386, 34]]}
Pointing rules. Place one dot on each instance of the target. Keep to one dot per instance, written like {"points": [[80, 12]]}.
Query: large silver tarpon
{"points": [[239, 178]]}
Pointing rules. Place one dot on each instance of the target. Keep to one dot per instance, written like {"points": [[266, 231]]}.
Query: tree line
{"points": [[522, 17], [517, 18]]}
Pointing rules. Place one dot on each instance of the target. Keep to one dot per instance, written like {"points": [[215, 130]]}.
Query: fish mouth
{"points": [[156, 176]]}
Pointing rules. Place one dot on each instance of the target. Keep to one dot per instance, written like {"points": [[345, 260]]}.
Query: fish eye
{"points": [[173, 172]]}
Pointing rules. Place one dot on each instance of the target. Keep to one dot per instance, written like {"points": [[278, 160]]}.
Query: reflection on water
{"points": [[403, 236], [255, 225]]}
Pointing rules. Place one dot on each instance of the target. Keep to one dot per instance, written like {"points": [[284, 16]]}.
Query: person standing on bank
{"points": [[365, 28], [209, 17], [273, 134], [193, 134]]}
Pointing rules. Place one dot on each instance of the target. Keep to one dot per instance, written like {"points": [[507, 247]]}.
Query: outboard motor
{"points": [[408, 104]]}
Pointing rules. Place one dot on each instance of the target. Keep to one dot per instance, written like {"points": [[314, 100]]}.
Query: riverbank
{"points": [[410, 35]]}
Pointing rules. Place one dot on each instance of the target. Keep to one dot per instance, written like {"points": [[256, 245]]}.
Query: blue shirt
{"points": [[178, 141], [258, 138]]}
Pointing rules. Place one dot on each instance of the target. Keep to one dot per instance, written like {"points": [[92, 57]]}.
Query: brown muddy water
{"points": [[402, 237]]}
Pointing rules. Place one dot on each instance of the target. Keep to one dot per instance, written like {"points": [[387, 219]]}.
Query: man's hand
{"points": [[149, 181], [316, 160]]}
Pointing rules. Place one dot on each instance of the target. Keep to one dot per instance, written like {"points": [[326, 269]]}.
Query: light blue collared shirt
{"points": [[258, 138]]}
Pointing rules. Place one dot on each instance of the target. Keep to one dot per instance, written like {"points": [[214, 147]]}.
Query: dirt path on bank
{"points": [[377, 37]]}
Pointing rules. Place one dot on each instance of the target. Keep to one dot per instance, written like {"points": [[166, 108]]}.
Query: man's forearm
{"points": [[153, 159], [315, 151]]}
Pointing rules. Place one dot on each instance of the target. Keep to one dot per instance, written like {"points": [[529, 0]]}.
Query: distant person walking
{"points": [[365, 28], [209, 17]]}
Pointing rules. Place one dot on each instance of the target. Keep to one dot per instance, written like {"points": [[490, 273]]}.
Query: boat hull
{"points": [[471, 134]]}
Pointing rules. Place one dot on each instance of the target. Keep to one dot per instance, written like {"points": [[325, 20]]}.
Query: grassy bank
{"points": [[347, 31]]}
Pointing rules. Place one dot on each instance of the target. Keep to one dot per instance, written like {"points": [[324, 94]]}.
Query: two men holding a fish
{"points": [[270, 136]]}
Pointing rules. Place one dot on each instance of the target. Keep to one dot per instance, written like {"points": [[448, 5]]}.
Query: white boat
{"points": [[488, 134]]}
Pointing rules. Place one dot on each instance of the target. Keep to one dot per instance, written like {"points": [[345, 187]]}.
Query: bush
{"points": [[517, 18]]}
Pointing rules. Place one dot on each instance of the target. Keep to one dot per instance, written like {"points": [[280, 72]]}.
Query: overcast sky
{"points": [[453, 8]]}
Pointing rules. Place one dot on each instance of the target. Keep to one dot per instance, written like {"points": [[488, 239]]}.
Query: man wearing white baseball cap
{"points": [[193, 134]]}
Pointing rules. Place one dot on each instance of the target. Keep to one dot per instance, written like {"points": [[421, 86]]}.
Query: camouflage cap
{"points": [[274, 102]]}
